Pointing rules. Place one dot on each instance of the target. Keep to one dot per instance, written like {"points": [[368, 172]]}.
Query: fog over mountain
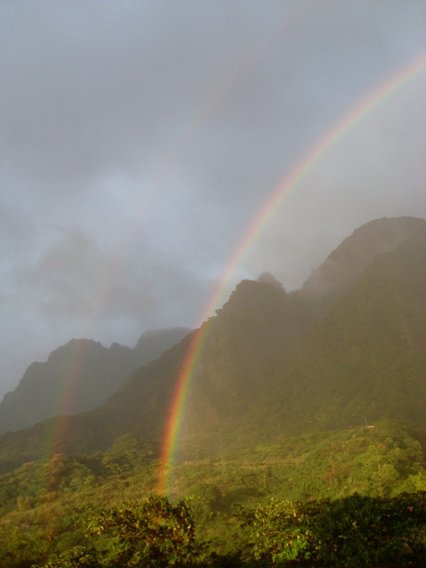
{"points": [[139, 140]]}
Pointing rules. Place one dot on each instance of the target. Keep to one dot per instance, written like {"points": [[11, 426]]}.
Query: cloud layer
{"points": [[138, 140]]}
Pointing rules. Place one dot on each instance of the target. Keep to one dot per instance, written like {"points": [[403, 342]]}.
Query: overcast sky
{"points": [[139, 139]]}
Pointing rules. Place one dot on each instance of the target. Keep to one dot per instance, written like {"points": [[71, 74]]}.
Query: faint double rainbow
{"points": [[289, 182]]}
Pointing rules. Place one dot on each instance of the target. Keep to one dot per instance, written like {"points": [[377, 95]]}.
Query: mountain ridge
{"points": [[78, 376], [275, 363], [352, 256]]}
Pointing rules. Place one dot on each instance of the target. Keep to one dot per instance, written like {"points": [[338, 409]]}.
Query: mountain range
{"points": [[348, 349], [79, 376]]}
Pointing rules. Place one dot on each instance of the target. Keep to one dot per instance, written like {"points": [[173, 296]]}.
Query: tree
{"points": [[152, 533], [354, 531]]}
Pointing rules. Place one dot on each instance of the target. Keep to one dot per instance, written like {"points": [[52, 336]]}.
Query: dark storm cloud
{"points": [[139, 138]]}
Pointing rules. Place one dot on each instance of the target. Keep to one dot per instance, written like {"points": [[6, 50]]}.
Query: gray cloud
{"points": [[139, 139], [76, 280]]}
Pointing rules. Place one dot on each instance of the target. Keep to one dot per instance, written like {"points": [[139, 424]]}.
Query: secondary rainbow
{"points": [[288, 183], [58, 428]]}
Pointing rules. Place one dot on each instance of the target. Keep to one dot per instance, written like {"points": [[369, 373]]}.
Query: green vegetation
{"points": [[149, 534], [351, 532], [354, 531], [278, 504]]}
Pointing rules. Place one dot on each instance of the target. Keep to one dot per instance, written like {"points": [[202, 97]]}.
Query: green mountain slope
{"points": [[249, 335], [348, 261], [363, 361], [366, 360]]}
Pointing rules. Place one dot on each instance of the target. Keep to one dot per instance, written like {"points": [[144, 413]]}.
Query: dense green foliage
{"points": [[352, 532], [68, 511], [355, 531]]}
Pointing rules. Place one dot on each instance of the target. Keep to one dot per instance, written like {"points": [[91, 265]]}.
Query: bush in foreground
{"points": [[352, 532]]}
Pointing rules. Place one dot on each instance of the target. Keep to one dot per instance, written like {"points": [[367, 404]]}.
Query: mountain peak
{"points": [[343, 266], [268, 278]]}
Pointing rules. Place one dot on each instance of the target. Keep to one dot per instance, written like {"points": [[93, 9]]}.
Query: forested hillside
{"points": [[304, 420]]}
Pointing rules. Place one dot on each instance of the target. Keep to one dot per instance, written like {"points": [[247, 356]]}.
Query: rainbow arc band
{"points": [[272, 204]]}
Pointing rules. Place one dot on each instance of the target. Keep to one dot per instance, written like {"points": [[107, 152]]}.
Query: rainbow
{"points": [[221, 89], [288, 183], [58, 427], [218, 92]]}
